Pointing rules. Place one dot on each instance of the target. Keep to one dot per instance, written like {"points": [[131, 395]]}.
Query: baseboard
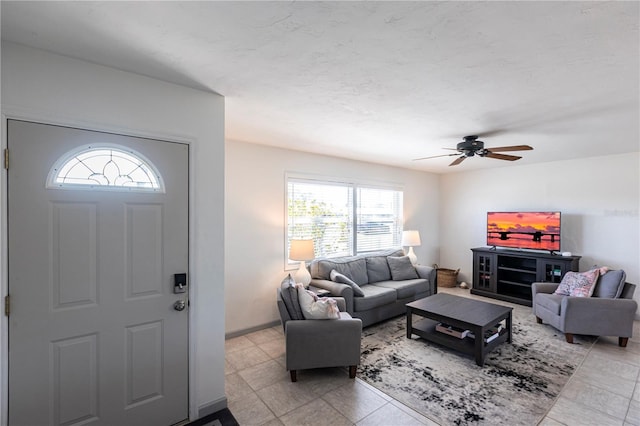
{"points": [[250, 330], [212, 407]]}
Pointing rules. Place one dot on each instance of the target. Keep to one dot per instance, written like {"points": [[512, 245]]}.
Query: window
{"points": [[343, 218], [379, 214], [104, 167]]}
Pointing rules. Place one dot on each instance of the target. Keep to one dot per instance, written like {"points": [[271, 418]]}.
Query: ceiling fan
{"points": [[471, 146]]}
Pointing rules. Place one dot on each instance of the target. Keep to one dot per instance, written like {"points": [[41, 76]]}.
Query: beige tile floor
{"points": [[604, 390]]}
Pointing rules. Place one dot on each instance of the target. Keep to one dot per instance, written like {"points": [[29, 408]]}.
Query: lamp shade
{"points": [[410, 238], [301, 250]]}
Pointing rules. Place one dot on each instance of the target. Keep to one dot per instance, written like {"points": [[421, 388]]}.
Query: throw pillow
{"points": [[580, 284], [610, 284], [401, 268], [337, 277], [314, 307], [289, 295]]}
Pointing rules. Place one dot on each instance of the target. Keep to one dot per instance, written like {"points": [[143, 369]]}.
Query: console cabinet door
{"points": [[552, 271], [485, 267]]}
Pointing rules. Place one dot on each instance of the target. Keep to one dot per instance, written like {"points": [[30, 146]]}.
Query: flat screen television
{"points": [[524, 230]]}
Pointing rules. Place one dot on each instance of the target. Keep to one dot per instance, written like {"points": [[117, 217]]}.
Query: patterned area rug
{"points": [[517, 385]]}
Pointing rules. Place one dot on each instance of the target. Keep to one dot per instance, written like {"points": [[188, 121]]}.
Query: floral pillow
{"points": [[578, 284], [314, 307]]}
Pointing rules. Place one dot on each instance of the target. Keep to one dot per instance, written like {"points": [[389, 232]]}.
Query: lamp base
{"points": [[412, 256], [302, 275]]}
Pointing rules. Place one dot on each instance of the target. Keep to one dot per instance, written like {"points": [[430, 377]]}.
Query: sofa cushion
{"points": [[406, 288], [374, 296], [289, 295], [377, 269], [574, 283], [551, 302], [355, 268], [343, 279], [610, 284], [401, 268]]}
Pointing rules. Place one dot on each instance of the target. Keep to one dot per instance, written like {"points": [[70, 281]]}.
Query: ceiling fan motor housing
{"points": [[471, 146]]}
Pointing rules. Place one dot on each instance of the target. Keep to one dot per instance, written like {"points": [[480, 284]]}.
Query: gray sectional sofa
{"points": [[375, 286]]}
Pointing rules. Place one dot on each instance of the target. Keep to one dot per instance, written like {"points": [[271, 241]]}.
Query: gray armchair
{"points": [[320, 343], [593, 316]]}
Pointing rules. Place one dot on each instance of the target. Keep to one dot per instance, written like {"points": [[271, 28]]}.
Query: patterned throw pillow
{"points": [[316, 308], [578, 284]]}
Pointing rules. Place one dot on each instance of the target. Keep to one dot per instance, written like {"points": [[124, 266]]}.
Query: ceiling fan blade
{"points": [[490, 133], [510, 148], [502, 156], [458, 160], [434, 156]]}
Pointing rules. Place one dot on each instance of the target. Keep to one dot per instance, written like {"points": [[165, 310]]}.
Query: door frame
{"points": [[47, 118]]}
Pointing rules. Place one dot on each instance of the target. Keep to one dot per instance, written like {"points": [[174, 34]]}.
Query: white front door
{"points": [[94, 337]]}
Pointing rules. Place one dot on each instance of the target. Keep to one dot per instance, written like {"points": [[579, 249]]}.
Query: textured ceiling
{"points": [[384, 82]]}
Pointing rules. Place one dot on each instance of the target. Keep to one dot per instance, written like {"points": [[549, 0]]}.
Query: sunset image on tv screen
{"points": [[531, 230]]}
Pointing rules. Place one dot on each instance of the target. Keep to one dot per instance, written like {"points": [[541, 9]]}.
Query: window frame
{"points": [[354, 185]]}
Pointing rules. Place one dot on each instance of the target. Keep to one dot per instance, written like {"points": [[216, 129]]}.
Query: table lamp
{"points": [[302, 250], [411, 239]]}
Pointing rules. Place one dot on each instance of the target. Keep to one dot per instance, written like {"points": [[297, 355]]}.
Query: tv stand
{"points": [[508, 274]]}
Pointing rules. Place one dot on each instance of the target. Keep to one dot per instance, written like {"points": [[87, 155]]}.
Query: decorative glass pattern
{"points": [[106, 168]]}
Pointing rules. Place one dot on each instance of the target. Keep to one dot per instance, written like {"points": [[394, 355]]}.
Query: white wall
{"points": [[598, 198], [255, 208], [43, 87]]}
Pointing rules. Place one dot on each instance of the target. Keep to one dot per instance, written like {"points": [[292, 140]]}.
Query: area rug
{"points": [[517, 385]]}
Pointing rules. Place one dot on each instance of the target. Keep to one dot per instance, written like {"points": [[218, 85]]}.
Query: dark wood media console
{"points": [[508, 274]]}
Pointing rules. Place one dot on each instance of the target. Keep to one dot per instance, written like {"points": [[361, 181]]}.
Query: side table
{"points": [[320, 292]]}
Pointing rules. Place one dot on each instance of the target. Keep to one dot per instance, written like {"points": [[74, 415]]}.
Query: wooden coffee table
{"points": [[461, 312]]}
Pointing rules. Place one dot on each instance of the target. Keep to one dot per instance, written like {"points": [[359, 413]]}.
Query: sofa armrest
{"points": [[320, 343], [428, 273], [598, 316], [337, 290], [543, 288], [342, 305]]}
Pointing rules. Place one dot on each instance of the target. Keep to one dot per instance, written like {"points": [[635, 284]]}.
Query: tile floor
{"points": [[605, 390]]}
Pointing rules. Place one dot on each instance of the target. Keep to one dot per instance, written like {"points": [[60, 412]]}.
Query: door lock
{"points": [[179, 283]]}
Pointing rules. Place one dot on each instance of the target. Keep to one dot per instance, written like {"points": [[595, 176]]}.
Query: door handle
{"points": [[179, 305]]}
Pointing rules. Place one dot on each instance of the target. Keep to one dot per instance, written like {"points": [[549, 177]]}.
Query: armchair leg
{"points": [[568, 337], [352, 371], [622, 341], [294, 375], [539, 320]]}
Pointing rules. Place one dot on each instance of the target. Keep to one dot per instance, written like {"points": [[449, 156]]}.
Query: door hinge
{"points": [[7, 305], [6, 158]]}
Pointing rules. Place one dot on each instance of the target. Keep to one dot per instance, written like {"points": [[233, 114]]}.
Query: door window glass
{"points": [[105, 167]]}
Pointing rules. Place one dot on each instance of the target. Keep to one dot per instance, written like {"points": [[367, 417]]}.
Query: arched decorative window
{"points": [[105, 167]]}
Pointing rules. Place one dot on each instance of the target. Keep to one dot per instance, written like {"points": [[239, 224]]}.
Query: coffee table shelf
{"points": [[426, 329]]}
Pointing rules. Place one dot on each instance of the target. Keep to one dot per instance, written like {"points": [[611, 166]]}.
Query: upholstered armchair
{"points": [[320, 343], [610, 311]]}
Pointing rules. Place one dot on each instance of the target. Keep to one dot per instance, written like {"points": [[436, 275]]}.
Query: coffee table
{"points": [[461, 312]]}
